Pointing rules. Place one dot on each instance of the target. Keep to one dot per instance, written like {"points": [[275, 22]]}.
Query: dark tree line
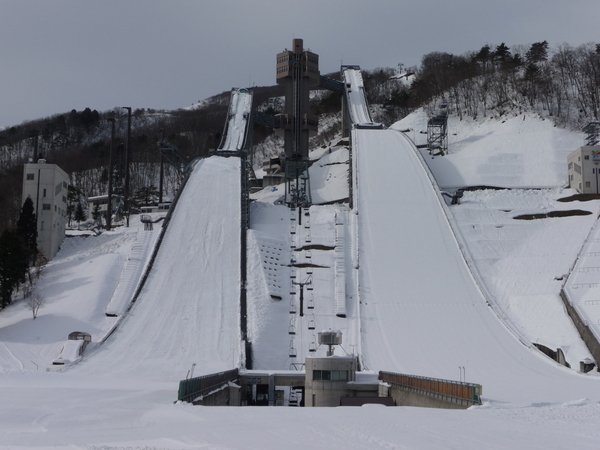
{"points": [[562, 83], [18, 253]]}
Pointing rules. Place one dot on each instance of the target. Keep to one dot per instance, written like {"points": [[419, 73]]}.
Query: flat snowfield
{"points": [[422, 312], [188, 311]]}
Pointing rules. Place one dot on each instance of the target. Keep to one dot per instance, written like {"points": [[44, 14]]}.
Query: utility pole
{"points": [[302, 284], [127, 159], [110, 174], [162, 170]]}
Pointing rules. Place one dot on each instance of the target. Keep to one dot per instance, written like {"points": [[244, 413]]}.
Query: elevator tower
{"points": [[297, 72]]}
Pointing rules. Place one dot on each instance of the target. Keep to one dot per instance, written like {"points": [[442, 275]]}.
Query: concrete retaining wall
{"points": [[409, 397], [584, 331]]}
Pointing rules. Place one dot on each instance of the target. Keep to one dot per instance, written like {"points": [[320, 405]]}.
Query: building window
{"points": [[330, 375], [46, 207], [42, 226], [44, 193], [586, 157], [30, 176], [587, 184], [570, 165]]}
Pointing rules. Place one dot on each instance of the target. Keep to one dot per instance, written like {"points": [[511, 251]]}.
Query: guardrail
{"points": [[192, 388], [466, 394]]}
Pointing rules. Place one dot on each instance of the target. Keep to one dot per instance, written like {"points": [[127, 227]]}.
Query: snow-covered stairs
{"points": [[131, 275]]}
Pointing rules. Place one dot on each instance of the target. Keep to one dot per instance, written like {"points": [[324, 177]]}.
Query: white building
{"points": [[102, 202], [584, 170], [47, 185]]}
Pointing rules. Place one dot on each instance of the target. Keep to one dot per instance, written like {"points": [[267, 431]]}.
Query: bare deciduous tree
{"points": [[34, 302]]}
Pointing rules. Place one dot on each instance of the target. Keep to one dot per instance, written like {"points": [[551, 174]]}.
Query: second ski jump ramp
{"points": [[422, 312], [237, 126], [188, 310]]}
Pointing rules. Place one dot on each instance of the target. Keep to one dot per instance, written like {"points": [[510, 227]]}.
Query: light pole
{"points": [[162, 170], [110, 174], [127, 158]]}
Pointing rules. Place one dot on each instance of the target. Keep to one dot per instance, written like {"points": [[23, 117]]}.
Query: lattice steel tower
{"points": [[437, 133]]}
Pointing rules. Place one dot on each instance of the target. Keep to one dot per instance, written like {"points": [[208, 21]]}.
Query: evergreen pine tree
{"points": [[13, 265], [538, 52], [80, 213], [27, 229], [97, 215], [502, 53]]}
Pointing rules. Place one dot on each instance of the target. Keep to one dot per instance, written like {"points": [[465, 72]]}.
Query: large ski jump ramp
{"points": [[235, 134], [422, 312], [188, 310]]}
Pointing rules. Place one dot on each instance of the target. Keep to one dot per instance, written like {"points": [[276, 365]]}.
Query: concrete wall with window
{"points": [[584, 170], [47, 185], [327, 380]]}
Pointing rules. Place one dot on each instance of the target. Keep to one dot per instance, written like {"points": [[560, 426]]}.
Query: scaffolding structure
{"points": [[297, 184], [437, 133]]}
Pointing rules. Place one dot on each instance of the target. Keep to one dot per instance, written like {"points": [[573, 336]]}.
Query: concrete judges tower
{"points": [[297, 72]]}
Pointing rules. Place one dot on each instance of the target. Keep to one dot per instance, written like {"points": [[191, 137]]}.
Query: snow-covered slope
{"points": [[511, 151], [422, 311], [121, 396], [516, 260], [188, 310], [238, 115]]}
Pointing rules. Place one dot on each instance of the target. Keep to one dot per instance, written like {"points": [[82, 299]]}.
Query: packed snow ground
{"points": [[121, 395]]}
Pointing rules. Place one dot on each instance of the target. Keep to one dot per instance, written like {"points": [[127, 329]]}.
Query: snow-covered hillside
{"points": [[512, 151], [517, 261], [121, 395]]}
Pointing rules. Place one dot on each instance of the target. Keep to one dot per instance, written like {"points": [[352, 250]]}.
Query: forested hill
{"points": [[561, 83]]}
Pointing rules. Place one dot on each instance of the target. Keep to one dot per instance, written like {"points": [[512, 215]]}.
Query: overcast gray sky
{"points": [[59, 55]]}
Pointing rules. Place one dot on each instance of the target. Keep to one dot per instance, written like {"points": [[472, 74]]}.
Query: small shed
{"points": [[80, 336]]}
